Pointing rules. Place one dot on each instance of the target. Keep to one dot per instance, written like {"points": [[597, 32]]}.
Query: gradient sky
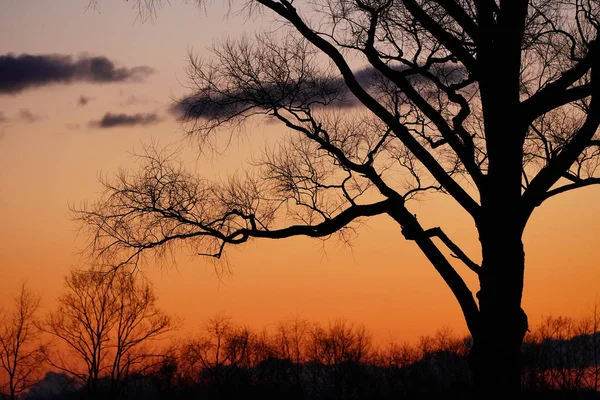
{"points": [[56, 139]]}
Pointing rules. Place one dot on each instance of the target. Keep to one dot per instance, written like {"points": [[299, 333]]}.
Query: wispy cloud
{"points": [[110, 120], [28, 71], [26, 115]]}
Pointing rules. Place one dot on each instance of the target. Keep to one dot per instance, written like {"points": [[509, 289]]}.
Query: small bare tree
{"points": [[102, 321], [206, 356], [82, 322], [290, 343], [336, 356], [21, 355]]}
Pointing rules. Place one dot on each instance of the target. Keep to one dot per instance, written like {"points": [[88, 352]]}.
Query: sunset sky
{"points": [[80, 89]]}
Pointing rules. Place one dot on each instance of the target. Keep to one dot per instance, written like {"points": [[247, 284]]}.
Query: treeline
{"points": [[296, 360], [106, 344]]}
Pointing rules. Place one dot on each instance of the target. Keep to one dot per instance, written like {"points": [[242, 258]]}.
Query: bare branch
{"points": [[458, 253]]}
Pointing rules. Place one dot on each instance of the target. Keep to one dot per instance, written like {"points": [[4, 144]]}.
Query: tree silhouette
{"points": [[20, 353], [493, 103], [102, 323], [337, 355], [290, 343], [220, 351]]}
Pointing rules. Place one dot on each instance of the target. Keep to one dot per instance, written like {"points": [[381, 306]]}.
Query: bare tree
{"points": [[205, 356], [21, 355], [491, 102], [290, 343], [396, 360], [137, 322], [337, 356], [102, 320], [82, 322]]}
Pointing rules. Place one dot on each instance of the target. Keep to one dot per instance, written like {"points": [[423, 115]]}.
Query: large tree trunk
{"points": [[497, 340], [496, 354]]}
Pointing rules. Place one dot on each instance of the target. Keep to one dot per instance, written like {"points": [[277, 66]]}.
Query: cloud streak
{"points": [[226, 102], [26, 115], [27, 71], [111, 120]]}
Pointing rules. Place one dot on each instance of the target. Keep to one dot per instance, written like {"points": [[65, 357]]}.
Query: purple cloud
{"points": [[28, 71], [110, 120]]}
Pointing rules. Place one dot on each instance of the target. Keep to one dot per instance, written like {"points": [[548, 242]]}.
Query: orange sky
{"points": [[382, 282]]}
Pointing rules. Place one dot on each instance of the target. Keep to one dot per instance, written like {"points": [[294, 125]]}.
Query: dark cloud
{"points": [[331, 91], [82, 101], [27, 71], [316, 91], [26, 115], [110, 120]]}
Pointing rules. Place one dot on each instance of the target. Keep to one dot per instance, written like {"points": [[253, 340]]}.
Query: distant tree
{"points": [[337, 355], [102, 321], [138, 322], [441, 365], [206, 356], [396, 360], [82, 322], [492, 102], [167, 374], [290, 343], [21, 354], [222, 351]]}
